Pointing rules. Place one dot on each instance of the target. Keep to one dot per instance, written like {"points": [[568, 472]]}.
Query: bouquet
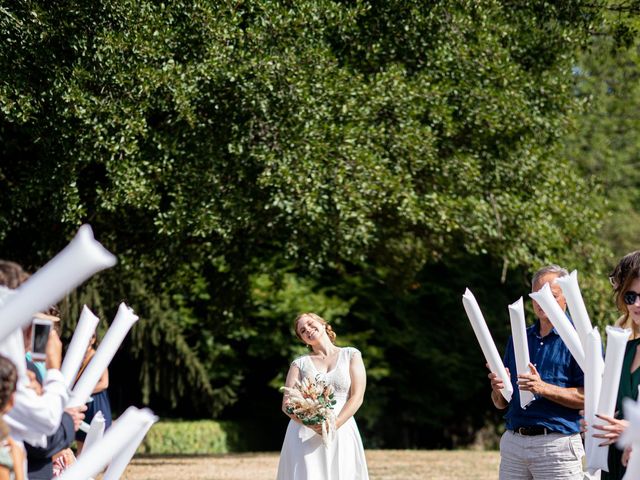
{"points": [[312, 403]]}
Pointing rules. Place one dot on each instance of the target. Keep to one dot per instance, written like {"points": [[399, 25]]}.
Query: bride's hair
{"points": [[330, 333]]}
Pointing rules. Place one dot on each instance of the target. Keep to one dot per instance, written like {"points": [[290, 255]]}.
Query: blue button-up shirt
{"points": [[556, 366]]}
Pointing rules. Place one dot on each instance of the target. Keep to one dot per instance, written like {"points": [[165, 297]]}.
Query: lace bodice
{"points": [[339, 377]]}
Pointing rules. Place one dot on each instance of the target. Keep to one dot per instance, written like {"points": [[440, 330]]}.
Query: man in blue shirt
{"points": [[543, 440]]}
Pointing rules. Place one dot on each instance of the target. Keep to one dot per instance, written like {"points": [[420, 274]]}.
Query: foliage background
{"points": [[249, 160]]}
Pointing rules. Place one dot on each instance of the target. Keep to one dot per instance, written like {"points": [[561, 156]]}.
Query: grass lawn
{"points": [[383, 465]]}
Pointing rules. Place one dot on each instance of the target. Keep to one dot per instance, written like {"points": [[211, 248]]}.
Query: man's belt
{"points": [[534, 430]]}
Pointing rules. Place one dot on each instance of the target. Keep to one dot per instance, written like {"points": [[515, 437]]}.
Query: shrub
{"points": [[199, 437]]}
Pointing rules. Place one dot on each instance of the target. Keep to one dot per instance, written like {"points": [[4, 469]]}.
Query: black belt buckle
{"points": [[530, 431]]}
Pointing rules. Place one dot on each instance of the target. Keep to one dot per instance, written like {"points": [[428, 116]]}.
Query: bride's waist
{"points": [[340, 402]]}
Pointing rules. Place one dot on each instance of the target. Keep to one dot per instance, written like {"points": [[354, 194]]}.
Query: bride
{"points": [[304, 456]]}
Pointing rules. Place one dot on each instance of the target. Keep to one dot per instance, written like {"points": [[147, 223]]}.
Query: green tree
{"points": [[604, 142], [232, 151]]}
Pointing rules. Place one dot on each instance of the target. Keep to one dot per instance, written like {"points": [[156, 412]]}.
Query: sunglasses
{"points": [[630, 297]]}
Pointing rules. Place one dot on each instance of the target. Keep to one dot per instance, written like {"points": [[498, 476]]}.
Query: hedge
{"points": [[199, 437]]}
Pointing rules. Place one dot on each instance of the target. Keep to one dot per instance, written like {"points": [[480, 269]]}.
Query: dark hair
{"points": [[629, 265], [12, 275], [8, 379], [622, 276]]}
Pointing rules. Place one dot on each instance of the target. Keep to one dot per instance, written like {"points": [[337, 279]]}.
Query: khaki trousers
{"points": [[541, 457]]}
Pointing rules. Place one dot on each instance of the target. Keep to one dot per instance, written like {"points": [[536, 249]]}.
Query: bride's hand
{"points": [[316, 428]]}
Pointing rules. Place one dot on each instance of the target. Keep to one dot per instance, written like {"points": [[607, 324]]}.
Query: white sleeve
{"points": [[353, 352], [33, 415], [297, 363], [12, 347]]}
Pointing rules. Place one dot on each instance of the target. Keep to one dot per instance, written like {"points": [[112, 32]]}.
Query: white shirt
{"points": [[33, 417]]}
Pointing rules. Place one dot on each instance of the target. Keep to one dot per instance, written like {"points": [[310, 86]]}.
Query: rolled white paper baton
{"points": [[119, 463], [95, 433], [115, 440], [83, 257], [520, 347], [125, 318], [562, 324], [78, 347], [487, 345], [571, 290], [614, 357], [592, 388]]}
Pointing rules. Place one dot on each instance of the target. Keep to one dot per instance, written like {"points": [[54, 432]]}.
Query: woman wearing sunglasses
{"points": [[625, 280]]}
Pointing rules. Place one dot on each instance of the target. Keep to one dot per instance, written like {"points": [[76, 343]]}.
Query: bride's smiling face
{"points": [[310, 330]]}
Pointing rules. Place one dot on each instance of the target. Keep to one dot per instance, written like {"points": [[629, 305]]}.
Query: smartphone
{"points": [[39, 338]]}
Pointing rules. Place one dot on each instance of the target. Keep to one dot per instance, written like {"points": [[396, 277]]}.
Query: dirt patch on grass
{"points": [[383, 465]]}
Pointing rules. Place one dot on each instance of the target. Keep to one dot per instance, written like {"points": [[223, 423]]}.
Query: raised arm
{"points": [[35, 416], [356, 394]]}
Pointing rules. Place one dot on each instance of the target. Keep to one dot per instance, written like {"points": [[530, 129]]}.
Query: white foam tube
{"points": [[520, 346], [633, 467], [83, 257], [78, 347], [631, 434], [559, 320], [631, 437], [485, 340], [571, 290], [116, 439], [616, 345], [119, 463], [12, 346], [95, 433], [592, 388], [125, 318]]}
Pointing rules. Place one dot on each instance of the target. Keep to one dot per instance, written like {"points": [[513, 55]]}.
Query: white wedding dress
{"points": [[303, 455]]}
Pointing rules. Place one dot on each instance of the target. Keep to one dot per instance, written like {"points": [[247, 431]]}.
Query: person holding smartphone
{"points": [[36, 337], [38, 416], [33, 416]]}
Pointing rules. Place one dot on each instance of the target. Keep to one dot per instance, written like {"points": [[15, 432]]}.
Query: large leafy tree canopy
{"points": [[249, 160], [604, 142]]}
